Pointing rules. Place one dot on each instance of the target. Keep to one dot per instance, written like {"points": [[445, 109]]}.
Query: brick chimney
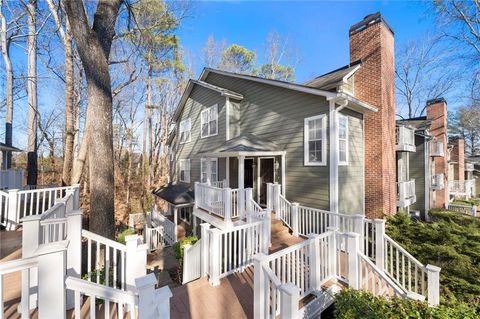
{"points": [[372, 42], [436, 110], [457, 156]]}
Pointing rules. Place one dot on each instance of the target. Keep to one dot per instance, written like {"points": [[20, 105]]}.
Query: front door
{"points": [[248, 176], [266, 176]]}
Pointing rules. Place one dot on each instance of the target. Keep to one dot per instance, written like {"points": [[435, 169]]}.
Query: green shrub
{"points": [[178, 246], [355, 304], [127, 232], [450, 241], [471, 201]]}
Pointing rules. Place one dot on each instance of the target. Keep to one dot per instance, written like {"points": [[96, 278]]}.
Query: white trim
{"points": [[333, 158], [241, 153], [346, 139], [306, 150], [189, 131], [187, 169], [208, 111], [216, 169], [284, 184], [227, 118]]}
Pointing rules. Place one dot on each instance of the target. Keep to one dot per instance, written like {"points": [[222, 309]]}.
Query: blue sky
{"points": [[318, 29]]}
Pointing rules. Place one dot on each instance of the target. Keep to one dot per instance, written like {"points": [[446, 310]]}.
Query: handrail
{"points": [[15, 265], [396, 245], [271, 275], [93, 289], [100, 239]]}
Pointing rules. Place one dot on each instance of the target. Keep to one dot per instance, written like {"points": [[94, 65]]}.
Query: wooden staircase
{"points": [[281, 236]]}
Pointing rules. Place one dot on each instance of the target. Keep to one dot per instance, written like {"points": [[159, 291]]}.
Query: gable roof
{"points": [[247, 142], [176, 194], [334, 78], [189, 88]]}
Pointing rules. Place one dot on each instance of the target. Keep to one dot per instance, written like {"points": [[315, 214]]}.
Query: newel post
{"points": [[315, 264], [204, 254], [74, 251], [249, 204], [276, 199], [295, 219], [359, 229], [332, 252], [353, 264], [266, 234], [152, 303], [289, 298], [215, 257], [136, 259], [13, 208], [227, 204], [379, 243], [30, 243], [259, 287], [433, 284], [185, 267], [269, 198], [198, 196]]}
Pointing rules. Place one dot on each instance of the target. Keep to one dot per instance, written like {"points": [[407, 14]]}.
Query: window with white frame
{"points": [[186, 214], [342, 139], [209, 121], [315, 138], [185, 170], [185, 131], [214, 171]]}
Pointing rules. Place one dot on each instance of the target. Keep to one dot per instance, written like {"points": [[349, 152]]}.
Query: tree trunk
{"points": [[93, 46], [7, 156], [32, 94], [146, 130]]}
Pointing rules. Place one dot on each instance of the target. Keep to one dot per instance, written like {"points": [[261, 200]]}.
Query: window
{"points": [[342, 139], [315, 141], [214, 172], [185, 131], [209, 120], [186, 214], [185, 170]]}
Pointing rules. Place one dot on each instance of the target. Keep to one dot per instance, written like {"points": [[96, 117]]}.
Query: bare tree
{"points": [[281, 58], [93, 45], [422, 74]]}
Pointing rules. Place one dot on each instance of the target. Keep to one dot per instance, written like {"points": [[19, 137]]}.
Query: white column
{"points": [[259, 281], [333, 147], [289, 298], [249, 204], [315, 262], [284, 183], [379, 243], [433, 284], [241, 186], [227, 171], [51, 280], [215, 257], [295, 219], [74, 251], [352, 259], [13, 203], [136, 260]]}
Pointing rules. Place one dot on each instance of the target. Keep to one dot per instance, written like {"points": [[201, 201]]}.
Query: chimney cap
{"points": [[368, 20], [436, 100]]}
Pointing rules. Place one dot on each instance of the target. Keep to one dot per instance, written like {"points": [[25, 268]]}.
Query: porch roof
{"points": [[8, 148], [245, 144], [176, 194]]}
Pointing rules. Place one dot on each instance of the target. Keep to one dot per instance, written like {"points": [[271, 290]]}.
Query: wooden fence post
{"points": [[433, 284], [259, 287], [51, 280], [12, 209], [379, 243], [353, 264], [315, 263], [215, 256], [136, 260], [295, 219], [289, 298], [74, 250], [204, 254]]}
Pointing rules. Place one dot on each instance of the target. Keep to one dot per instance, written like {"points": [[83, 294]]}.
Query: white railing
{"points": [[437, 149], [406, 193], [4, 221], [438, 181], [470, 187], [462, 188], [120, 301], [36, 201], [463, 209], [220, 184], [192, 257], [53, 224], [405, 139], [11, 179], [469, 166], [405, 270], [284, 210], [155, 237], [168, 227], [373, 280], [213, 199], [234, 202]]}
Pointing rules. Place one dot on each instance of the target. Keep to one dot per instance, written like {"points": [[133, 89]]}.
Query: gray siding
{"points": [[350, 177], [200, 99], [417, 172], [278, 114]]}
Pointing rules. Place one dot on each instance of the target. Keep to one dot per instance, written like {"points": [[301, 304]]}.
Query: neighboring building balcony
{"points": [[438, 182], [406, 193], [469, 167], [405, 139], [464, 188], [436, 149]]}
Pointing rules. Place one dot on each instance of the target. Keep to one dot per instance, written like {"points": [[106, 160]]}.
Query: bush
{"points": [[450, 241], [178, 246], [470, 202], [355, 304], [127, 232]]}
